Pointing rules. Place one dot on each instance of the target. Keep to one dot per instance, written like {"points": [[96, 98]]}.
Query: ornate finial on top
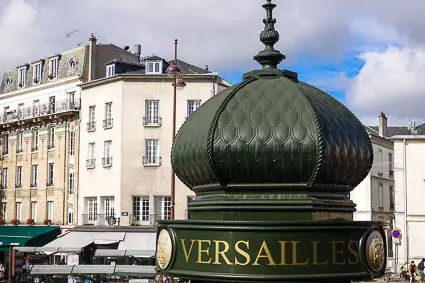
{"points": [[269, 58]]}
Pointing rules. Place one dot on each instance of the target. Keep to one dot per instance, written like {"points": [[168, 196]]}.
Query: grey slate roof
{"points": [[187, 68], [65, 69], [401, 130]]}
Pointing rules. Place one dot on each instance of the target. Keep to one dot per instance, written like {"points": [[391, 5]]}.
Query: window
{"points": [[392, 204], [110, 70], [51, 138], [390, 164], [154, 67], [141, 210], [18, 183], [34, 210], [152, 152], [380, 162], [5, 148], [34, 176], [19, 210], [20, 110], [19, 142], [92, 209], [381, 195], [36, 73], [91, 160], [52, 104], [163, 208], [107, 158], [4, 178], [152, 113], [22, 74], [36, 107], [70, 216], [107, 123], [4, 210], [72, 143], [192, 105], [50, 174], [91, 125], [71, 183], [50, 210], [109, 207], [71, 98], [53, 67], [35, 139]]}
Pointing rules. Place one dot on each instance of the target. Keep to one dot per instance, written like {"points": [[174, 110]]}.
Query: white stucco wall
{"points": [[128, 176]]}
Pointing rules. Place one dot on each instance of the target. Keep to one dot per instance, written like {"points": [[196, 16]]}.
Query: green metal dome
{"points": [[272, 133], [272, 130]]}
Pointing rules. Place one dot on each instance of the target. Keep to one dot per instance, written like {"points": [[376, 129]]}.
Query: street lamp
{"points": [[173, 71]]}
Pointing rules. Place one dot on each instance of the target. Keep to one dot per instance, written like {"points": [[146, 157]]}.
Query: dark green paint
{"points": [[271, 158]]}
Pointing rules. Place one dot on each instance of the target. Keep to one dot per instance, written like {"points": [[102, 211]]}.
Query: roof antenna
{"points": [[69, 34], [411, 126]]}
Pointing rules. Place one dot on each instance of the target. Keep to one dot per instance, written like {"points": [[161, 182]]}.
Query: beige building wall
{"points": [[129, 176]]}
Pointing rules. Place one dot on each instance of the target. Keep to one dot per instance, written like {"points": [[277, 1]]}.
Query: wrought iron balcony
{"points": [[91, 126], [152, 160], [107, 161], [147, 220], [49, 184], [152, 121], [99, 219], [108, 123], [46, 109], [91, 163]]}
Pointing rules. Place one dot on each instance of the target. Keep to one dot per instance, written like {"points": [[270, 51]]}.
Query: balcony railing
{"points": [[19, 150], [107, 161], [91, 163], [99, 219], [152, 160], [91, 126], [147, 220], [153, 121], [46, 109], [108, 123]]}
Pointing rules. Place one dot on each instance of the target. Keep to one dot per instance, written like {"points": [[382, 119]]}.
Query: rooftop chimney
{"points": [[137, 50], [206, 67], [92, 58], [383, 124]]}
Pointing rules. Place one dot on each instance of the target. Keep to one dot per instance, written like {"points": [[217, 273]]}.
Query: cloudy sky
{"points": [[368, 54]]}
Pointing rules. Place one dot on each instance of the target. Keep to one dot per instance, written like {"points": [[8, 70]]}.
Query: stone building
{"points": [[39, 122], [126, 138]]}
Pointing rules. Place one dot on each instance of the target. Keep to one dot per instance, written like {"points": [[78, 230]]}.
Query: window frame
{"points": [[4, 177], [152, 116], [152, 152], [50, 174], [34, 210], [18, 177], [37, 73], [18, 210], [71, 183], [51, 137], [50, 210], [35, 139], [72, 143], [5, 145], [53, 68], [34, 175], [110, 70], [22, 77], [154, 64], [196, 103]]}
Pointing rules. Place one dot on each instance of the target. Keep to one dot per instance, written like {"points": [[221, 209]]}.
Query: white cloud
{"points": [[391, 81]]}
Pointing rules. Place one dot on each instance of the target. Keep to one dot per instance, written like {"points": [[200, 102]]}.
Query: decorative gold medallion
{"points": [[375, 251], [164, 249]]}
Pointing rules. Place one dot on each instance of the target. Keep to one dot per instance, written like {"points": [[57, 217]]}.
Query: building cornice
{"points": [[31, 89], [150, 78], [408, 137]]}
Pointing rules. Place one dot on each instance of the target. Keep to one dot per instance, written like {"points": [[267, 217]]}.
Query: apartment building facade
{"points": [[127, 137], [375, 195], [39, 126]]}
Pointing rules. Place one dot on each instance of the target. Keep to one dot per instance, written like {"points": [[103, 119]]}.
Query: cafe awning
{"points": [[120, 270], [124, 253], [34, 236], [74, 241]]}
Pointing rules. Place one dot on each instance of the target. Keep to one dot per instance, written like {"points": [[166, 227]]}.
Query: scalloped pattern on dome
{"points": [[272, 131], [266, 133], [346, 145]]}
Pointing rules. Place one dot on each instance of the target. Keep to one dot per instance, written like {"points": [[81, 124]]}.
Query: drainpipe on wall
{"points": [[405, 200]]}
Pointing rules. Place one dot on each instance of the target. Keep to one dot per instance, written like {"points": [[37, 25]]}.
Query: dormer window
{"points": [[22, 74], [53, 68], [154, 67], [110, 70], [36, 73]]}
